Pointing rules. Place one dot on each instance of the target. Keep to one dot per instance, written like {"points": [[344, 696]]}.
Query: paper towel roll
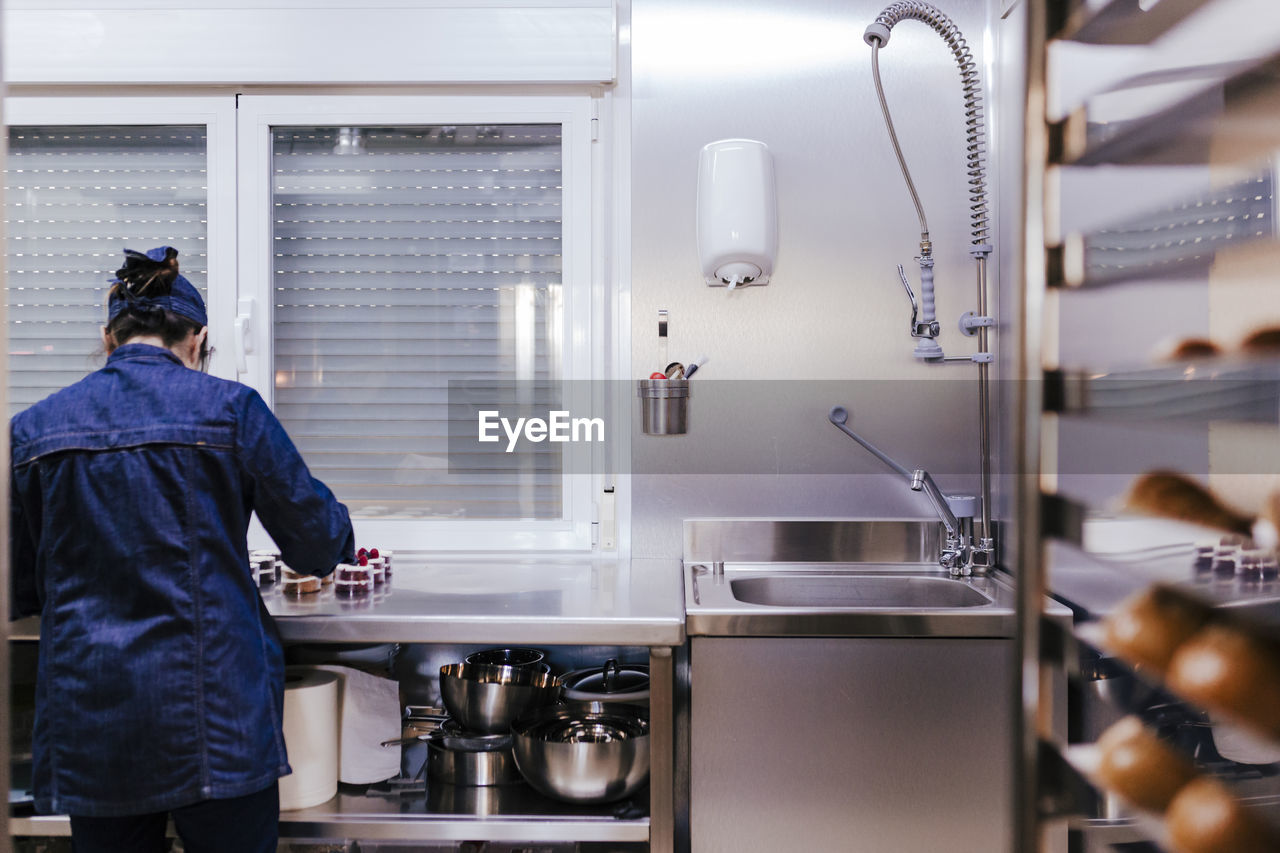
{"points": [[310, 737], [369, 713]]}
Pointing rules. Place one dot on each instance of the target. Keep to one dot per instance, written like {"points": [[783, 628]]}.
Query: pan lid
{"points": [[614, 680]]}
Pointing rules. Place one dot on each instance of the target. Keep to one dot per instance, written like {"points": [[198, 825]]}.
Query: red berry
{"points": [[373, 553], [362, 552], [364, 561]]}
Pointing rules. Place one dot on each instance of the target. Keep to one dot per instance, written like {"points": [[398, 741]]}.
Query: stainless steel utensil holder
{"points": [[664, 406]]}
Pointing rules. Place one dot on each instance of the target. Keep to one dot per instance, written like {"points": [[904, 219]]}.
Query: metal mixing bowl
{"points": [[584, 753], [485, 699]]}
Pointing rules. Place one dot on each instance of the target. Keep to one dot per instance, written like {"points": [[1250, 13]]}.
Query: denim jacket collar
{"points": [[142, 351]]}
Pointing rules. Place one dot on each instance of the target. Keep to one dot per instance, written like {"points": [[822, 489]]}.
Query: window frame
{"points": [[217, 113], [257, 115]]}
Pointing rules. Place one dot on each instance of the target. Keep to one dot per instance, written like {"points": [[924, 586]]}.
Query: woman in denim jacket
{"points": [[161, 675]]}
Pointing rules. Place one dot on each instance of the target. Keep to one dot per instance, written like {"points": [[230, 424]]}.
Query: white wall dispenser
{"points": [[737, 213]]}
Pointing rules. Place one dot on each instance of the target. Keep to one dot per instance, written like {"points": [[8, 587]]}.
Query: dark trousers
{"points": [[248, 824]]}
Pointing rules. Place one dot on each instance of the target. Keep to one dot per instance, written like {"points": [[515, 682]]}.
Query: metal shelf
{"points": [[1177, 242], [511, 813], [1231, 121], [1238, 117], [1124, 21], [1200, 391]]}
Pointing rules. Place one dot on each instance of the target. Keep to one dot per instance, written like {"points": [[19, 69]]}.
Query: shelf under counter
{"points": [[508, 813]]}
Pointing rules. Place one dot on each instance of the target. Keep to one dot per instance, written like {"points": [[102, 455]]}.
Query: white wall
{"points": [[831, 326]]}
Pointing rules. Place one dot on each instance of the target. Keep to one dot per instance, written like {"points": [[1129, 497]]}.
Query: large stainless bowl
{"points": [[485, 699], [584, 753]]}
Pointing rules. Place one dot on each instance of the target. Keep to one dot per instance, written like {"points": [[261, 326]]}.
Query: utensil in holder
{"points": [[664, 406]]}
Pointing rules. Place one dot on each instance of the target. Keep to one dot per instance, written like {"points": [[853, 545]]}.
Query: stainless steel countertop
{"points": [[1094, 584], [516, 599], [498, 600], [712, 610]]}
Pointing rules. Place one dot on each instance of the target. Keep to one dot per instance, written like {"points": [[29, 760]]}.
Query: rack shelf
{"points": [[1200, 392], [1083, 760], [1225, 126], [1124, 21], [1177, 242], [1239, 118]]}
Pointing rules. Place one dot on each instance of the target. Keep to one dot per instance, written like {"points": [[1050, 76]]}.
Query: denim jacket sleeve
{"points": [[24, 595], [310, 526]]}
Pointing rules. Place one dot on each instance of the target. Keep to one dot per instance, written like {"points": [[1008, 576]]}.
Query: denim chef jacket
{"points": [[161, 674]]}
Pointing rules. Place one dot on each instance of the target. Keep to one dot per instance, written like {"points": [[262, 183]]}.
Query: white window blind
{"points": [[404, 257], [75, 197]]}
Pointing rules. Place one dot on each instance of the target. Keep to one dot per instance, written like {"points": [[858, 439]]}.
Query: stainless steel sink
{"points": [[842, 600], [833, 578], [852, 590]]}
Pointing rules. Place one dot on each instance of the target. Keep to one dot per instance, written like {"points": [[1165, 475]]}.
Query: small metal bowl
{"points": [[584, 753], [485, 699], [508, 657]]}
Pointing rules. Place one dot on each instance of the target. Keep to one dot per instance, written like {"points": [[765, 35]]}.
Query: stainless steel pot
{"points": [[460, 758]]}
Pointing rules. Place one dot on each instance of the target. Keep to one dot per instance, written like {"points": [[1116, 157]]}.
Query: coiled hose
{"points": [[877, 35]]}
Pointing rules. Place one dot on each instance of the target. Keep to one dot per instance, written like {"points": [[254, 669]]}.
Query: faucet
{"points": [[959, 556]]}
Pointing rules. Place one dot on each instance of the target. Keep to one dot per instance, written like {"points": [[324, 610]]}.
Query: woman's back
{"points": [[161, 673]]}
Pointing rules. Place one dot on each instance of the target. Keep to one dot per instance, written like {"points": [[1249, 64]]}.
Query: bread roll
{"points": [[1140, 767], [1189, 348], [1265, 341], [1205, 818], [1170, 494], [1148, 627], [1222, 668]]}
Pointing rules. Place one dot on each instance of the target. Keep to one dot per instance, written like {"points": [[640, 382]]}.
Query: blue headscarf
{"points": [[182, 299]]}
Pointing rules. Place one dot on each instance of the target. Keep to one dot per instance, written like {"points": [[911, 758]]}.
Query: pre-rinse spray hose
{"points": [[877, 35]]}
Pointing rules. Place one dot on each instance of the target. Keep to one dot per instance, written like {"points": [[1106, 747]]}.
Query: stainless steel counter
{"points": [[490, 600], [545, 600], [1121, 556]]}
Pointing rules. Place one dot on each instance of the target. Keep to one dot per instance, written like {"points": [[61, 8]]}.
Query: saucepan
{"points": [[457, 757]]}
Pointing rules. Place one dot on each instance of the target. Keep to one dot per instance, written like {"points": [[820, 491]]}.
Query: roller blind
{"points": [[404, 257], [75, 197]]}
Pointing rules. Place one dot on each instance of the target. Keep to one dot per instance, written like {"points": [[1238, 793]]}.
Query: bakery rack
{"points": [[1220, 115]]}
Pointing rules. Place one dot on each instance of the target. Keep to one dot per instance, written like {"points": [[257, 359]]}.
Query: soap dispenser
{"points": [[737, 218]]}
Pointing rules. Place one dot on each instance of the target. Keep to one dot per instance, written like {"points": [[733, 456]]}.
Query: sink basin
{"points": [[828, 591]]}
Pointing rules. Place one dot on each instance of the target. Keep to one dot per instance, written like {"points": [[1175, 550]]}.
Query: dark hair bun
{"points": [[142, 276]]}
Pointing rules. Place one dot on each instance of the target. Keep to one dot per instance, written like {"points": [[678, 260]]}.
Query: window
{"points": [[409, 244], [404, 258], [356, 255]]}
